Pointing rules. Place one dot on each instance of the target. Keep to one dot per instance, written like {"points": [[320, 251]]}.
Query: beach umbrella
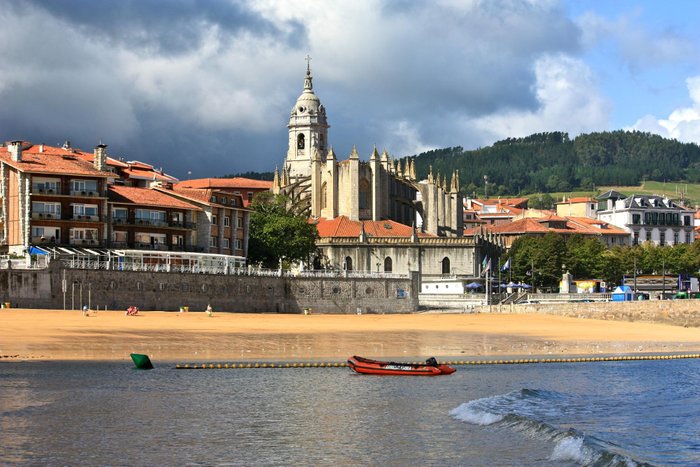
{"points": [[512, 284], [473, 285], [525, 286]]}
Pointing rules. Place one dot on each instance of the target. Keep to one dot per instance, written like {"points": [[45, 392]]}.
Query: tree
{"points": [[278, 235]]}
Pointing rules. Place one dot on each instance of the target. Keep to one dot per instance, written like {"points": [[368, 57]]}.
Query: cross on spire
{"points": [[308, 62]]}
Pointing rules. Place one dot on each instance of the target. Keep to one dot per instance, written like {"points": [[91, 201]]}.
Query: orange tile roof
{"points": [[51, 160], [538, 225], [148, 174], [146, 197], [342, 226], [234, 182]]}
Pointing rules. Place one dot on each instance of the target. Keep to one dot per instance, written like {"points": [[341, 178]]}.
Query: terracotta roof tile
{"points": [[55, 161], [342, 226], [234, 182], [146, 197]]}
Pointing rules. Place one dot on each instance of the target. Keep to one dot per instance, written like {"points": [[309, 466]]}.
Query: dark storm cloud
{"points": [[164, 26]]}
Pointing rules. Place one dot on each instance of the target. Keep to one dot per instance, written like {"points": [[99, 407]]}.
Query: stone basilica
{"points": [[371, 213]]}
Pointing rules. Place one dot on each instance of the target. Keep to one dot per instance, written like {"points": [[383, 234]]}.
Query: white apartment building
{"points": [[648, 218]]}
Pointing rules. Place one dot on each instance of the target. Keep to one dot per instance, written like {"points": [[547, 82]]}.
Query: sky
{"points": [[205, 88]]}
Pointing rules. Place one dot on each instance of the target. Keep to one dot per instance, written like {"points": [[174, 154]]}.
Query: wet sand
{"points": [[194, 336]]}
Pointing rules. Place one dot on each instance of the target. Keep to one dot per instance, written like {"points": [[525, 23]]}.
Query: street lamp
{"points": [[486, 187]]}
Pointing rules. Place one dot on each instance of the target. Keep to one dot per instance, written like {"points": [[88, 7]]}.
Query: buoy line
{"points": [[517, 361]]}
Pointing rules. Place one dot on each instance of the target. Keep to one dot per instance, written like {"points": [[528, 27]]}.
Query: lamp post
{"points": [[663, 278], [486, 187]]}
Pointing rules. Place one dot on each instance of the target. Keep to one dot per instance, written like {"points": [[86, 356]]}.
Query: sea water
{"points": [[601, 413]]}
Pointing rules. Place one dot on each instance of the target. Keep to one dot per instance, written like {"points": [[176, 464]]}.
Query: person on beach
{"points": [[85, 310], [210, 312]]}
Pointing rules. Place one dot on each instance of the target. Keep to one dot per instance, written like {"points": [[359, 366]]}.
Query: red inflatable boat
{"points": [[375, 367]]}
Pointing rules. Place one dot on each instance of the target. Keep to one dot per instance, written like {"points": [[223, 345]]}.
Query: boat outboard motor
{"points": [[431, 361]]}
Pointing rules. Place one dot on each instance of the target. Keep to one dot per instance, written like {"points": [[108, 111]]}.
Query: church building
{"points": [[377, 201]]}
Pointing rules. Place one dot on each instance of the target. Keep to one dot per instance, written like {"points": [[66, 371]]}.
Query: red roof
{"points": [[342, 226], [581, 199], [539, 225], [231, 183], [146, 197], [204, 196], [55, 161]]}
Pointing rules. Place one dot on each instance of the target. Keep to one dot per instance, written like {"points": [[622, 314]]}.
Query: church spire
{"points": [[308, 81]]}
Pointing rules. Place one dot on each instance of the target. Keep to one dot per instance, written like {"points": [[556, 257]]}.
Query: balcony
{"points": [[46, 191], [120, 220], [151, 222], [46, 215], [85, 218], [150, 246], [182, 225], [41, 239], [84, 193], [83, 242]]}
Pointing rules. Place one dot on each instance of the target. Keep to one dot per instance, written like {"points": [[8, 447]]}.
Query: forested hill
{"points": [[551, 162]]}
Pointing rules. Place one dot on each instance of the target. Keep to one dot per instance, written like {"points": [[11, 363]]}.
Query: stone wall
{"points": [[118, 290], [674, 312]]}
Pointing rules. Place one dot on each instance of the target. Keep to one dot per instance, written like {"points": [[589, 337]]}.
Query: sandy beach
{"points": [[194, 336]]}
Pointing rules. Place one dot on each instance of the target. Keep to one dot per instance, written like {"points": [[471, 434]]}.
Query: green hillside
{"points": [[553, 163]]}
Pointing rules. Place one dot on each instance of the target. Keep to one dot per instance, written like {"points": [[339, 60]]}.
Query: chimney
{"points": [[15, 149], [100, 158]]}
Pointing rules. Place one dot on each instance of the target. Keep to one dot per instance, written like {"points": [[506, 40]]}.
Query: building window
{"points": [[48, 210], [636, 218], [227, 243], [250, 196], [239, 222], [662, 238], [213, 241], [42, 185], [120, 214], [83, 186], [178, 240], [635, 238], [119, 237], [387, 264], [686, 220], [348, 264], [83, 236], [238, 244], [213, 219], [227, 221], [301, 141], [150, 240], [81, 211], [147, 216], [446, 265], [675, 238]]}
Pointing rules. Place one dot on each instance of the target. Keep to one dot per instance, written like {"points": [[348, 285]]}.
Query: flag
{"points": [[506, 266], [487, 268], [484, 262]]}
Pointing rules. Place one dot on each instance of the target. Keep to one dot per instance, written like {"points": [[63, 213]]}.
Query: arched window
{"points": [[446, 265], [300, 141], [348, 263], [324, 195], [387, 264]]}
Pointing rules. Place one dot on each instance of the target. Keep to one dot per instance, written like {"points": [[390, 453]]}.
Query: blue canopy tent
{"points": [[473, 286], [623, 293], [34, 250]]}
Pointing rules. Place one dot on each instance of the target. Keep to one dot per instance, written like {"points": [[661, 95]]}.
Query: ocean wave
{"points": [[525, 410]]}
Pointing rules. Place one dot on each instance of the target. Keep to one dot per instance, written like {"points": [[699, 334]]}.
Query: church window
{"points": [[387, 264], [321, 142], [348, 263], [300, 141], [324, 195], [446, 265]]}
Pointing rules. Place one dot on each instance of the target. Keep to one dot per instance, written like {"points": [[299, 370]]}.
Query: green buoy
{"points": [[142, 361]]}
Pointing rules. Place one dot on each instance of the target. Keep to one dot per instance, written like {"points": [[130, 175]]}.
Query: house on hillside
{"points": [[647, 218]]}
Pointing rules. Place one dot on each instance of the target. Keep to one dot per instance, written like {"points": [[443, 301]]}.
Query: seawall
{"points": [[58, 288]]}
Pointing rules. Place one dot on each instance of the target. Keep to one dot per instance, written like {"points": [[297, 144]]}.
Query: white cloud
{"points": [[682, 124], [568, 101]]}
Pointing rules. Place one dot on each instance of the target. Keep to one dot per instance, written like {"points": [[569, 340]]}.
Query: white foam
{"points": [[571, 449], [467, 412]]}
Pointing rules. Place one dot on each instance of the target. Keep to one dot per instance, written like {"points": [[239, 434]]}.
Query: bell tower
{"points": [[308, 130]]}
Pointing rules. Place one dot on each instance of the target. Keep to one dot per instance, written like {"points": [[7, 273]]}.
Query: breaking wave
{"points": [[526, 410]]}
